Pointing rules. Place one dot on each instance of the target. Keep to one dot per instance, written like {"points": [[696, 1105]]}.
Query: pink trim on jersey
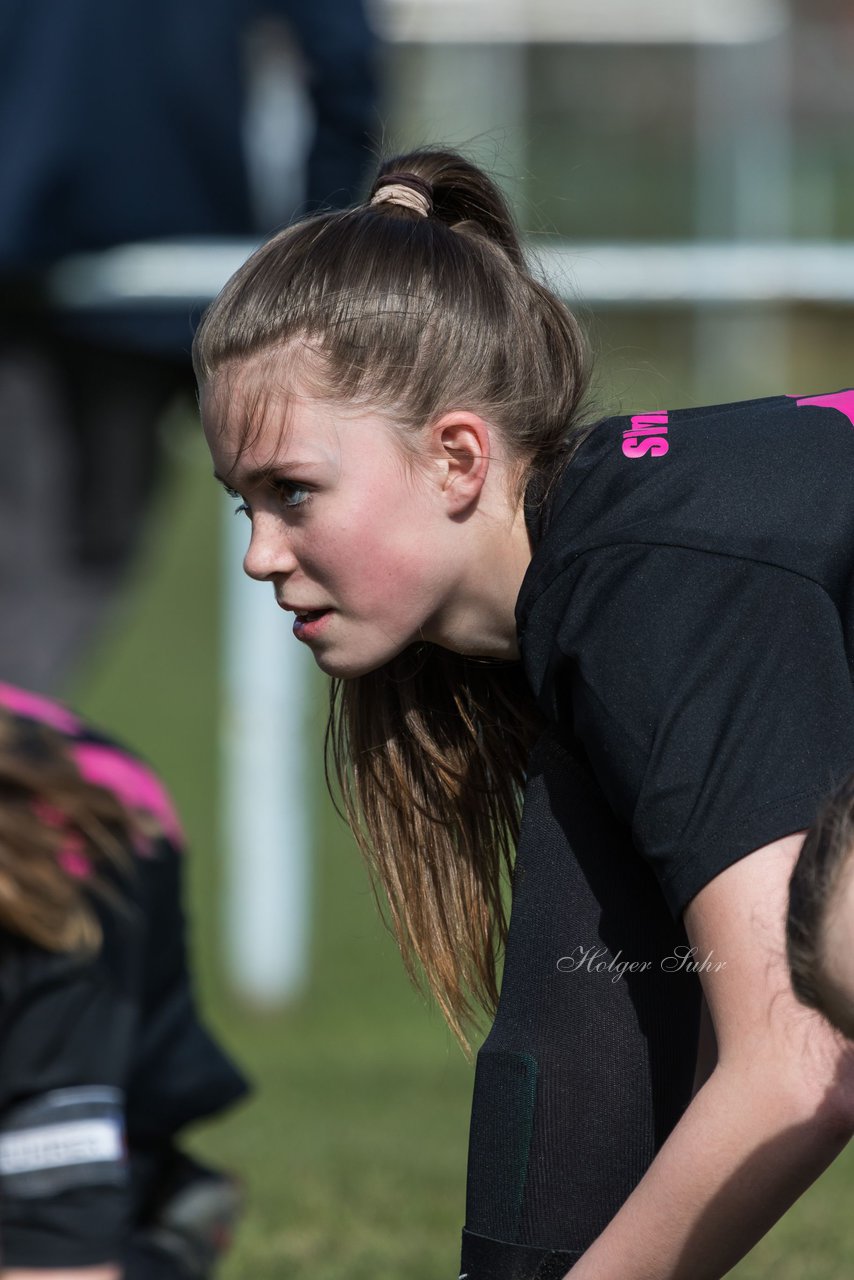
{"points": [[36, 707], [133, 782], [841, 400]]}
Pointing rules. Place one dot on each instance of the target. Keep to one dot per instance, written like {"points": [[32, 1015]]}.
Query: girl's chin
{"points": [[349, 666]]}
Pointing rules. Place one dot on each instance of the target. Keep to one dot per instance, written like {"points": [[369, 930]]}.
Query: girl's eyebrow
{"points": [[262, 474]]}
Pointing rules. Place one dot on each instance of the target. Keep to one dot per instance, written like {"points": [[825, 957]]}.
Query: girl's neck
{"points": [[480, 620]]}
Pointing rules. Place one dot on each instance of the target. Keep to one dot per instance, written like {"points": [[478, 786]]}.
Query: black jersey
{"points": [[102, 1060], [689, 618], [686, 624]]}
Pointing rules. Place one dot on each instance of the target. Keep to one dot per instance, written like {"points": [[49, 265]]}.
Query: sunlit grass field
{"points": [[353, 1147]]}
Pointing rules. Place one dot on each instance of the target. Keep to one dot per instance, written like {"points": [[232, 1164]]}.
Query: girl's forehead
{"points": [[258, 412], [258, 404], [272, 380], [248, 393]]}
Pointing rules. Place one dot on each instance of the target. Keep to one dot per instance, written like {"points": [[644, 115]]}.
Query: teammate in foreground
{"points": [[617, 645], [102, 1057]]}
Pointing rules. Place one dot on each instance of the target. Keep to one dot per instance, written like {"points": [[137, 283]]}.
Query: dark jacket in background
{"points": [[122, 122]]}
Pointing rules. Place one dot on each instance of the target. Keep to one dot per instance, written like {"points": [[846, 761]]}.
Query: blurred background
{"points": [[610, 123]]}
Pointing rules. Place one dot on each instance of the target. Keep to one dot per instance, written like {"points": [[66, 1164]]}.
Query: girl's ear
{"points": [[461, 443]]}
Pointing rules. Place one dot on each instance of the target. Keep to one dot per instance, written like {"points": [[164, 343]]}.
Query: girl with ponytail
{"points": [[599, 661]]}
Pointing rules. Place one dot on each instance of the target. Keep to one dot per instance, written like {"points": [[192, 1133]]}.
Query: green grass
{"points": [[353, 1147]]}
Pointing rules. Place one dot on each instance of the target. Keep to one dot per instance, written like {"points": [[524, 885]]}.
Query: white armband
{"points": [[61, 1139]]}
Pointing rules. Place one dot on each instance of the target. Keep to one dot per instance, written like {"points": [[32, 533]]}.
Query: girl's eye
{"points": [[286, 488]]}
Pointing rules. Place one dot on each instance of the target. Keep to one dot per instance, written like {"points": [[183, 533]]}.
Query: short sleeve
{"points": [[713, 696], [66, 1034]]}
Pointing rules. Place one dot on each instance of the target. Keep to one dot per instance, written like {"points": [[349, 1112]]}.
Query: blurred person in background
{"points": [[103, 1059], [123, 123]]}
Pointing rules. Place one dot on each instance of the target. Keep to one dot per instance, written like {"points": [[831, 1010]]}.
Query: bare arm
{"points": [[775, 1111], [108, 1272]]}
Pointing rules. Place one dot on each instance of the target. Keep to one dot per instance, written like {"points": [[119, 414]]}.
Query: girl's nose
{"points": [[268, 553]]}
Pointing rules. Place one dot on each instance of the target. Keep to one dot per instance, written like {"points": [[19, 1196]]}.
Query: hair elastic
{"points": [[406, 189]]}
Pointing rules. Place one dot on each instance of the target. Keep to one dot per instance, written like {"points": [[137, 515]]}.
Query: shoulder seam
{"points": [[675, 546]]}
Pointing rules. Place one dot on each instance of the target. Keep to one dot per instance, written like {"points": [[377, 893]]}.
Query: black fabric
{"points": [[686, 625], [64, 1023], [185, 1214], [483, 1258], [144, 1260], [689, 617], [615, 1057], [125, 1019], [509, 1081]]}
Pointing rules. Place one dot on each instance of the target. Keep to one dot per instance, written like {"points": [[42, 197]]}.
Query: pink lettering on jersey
{"points": [[35, 707], [841, 400], [646, 435], [134, 784]]}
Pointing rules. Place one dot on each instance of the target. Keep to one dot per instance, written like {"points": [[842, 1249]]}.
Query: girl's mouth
{"points": [[307, 625]]}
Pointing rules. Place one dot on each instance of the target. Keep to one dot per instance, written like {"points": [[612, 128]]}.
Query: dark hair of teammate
{"points": [[816, 923]]}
